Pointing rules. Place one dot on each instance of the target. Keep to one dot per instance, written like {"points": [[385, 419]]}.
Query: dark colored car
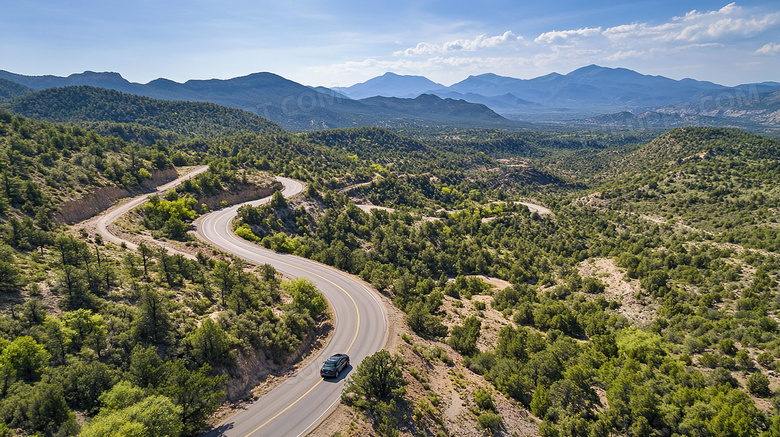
{"points": [[333, 366]]}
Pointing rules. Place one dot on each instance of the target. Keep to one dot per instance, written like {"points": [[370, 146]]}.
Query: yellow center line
{"points": [[354, 337], [283, 411]]}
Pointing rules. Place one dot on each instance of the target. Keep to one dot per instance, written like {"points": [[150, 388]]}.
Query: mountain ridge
{"points": [[9, 89], [284, 102], [594, 94], [585, 93], [91, 104], [448, 107], [390, 85]]}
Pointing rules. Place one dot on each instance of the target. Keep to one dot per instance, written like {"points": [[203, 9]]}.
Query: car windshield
{"points": [[330, 363]]}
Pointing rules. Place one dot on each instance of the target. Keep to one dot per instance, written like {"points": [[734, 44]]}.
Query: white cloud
{"points": [[711, 30], [695, 29], [729, 9], [637, 30], [480, 42], [769, 49], [728, 22], [558, 36], [696, 44], [620, 55]]}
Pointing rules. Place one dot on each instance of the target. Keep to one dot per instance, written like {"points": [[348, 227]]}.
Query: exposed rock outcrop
{"points": [[92, 203], [244, 193]]}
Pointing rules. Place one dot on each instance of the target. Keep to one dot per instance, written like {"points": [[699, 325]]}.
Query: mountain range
{"points": [[590, 96], [592, 91], [287, 103]]}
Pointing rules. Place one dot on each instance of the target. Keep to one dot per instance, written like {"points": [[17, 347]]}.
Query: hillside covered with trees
{"points": [[570, 350], [98, 339], [89, 104], [643, 303]]}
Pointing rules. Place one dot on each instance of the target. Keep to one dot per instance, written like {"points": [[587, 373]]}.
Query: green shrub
{"points": [[491, 422], [483, 400], [593, 286], [245, 232], [766, 359], [727, 346], [758, 384]]}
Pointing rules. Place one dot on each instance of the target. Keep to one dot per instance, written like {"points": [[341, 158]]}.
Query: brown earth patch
{"points": [[99, 200], [621, 288]]}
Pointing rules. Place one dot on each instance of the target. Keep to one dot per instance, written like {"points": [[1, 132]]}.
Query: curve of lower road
{"points": [[303, 400], [113, 213]]}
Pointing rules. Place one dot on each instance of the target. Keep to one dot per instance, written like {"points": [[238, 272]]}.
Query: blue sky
{"points": [[339, 43]]}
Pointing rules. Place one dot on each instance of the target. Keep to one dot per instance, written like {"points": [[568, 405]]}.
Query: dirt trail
{"points": [[539, 209]]}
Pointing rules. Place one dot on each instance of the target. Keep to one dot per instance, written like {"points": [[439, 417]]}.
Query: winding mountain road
{"points": [[303, 400], [113, 213]]}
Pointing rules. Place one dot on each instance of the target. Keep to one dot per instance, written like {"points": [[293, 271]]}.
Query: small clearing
{"points": [[621, 288]]}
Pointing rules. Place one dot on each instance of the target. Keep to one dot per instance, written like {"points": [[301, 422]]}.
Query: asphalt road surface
{"points": [[303, 400], [113, 213]]}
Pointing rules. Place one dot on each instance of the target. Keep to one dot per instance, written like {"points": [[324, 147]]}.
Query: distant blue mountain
{"points": [[108, 80], [586, 91], [600, 88], [503, 103], [390, 85]]}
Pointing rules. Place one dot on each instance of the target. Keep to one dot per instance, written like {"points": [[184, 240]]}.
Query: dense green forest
{"points": [[10, 89], [686, 219], [102, 340], [44, 164], [89, 104], [691, 216]]}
